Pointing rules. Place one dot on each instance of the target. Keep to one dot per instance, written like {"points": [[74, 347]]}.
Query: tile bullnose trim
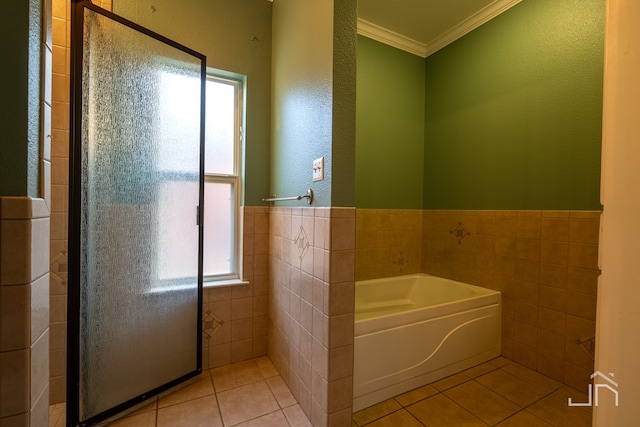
{"points": [[23, 207]]}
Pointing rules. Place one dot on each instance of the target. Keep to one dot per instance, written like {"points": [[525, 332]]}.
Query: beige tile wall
{"points": [[546, 265], [59, 197], [544, 262], [24, 307], [24, 278], [45, 108], [235, 317], [389, 242], [311, 298]]}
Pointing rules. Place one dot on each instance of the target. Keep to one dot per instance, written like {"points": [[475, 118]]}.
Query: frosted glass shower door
{"points": [[135, 239]]}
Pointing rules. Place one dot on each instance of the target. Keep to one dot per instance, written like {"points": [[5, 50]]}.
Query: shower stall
{"points": [[135, 234]]}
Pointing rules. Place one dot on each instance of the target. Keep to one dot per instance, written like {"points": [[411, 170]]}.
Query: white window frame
{"points": [[236, 179]]}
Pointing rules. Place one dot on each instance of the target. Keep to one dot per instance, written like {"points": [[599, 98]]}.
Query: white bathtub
{"points": [[412, 330]]}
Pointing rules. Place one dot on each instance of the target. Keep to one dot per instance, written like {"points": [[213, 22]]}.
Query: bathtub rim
{"points": [[484, 297]]}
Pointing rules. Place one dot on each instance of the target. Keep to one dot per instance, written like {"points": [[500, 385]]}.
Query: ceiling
{"points": [[422, 27]]}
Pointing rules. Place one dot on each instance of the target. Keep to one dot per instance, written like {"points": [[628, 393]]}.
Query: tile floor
{"points": [[244, 394], [497, 393]]}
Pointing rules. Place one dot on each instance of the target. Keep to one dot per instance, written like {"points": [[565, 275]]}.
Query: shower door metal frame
{"points": [[75, 212]]}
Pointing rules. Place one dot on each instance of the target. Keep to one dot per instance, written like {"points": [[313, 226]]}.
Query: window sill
{"points": [[223, 283]]}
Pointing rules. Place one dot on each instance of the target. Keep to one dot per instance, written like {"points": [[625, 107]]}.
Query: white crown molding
{"points": [[399, 41], [378, 33], [470, 24]]}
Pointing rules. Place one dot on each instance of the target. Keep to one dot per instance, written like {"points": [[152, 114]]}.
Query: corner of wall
{"points": [[24, 330]]}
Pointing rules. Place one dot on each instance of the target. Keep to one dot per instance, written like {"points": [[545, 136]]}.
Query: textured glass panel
{"points": [[221, 127], [218, 211], [139, 191]]}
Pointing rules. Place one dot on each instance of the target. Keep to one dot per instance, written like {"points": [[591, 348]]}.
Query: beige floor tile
{"points": [[296, 416], [524, 419], [375, 412], [202, 412], [518, 391], [557, 412], [481, 369], [235, 375], [148, 419], [416, 395], [57, 415], [500, 361], [401, 418], [244, 403], [281, 392], [274, 419], [266, 367], [440, 411], [532, 376], [200, 388], [482, 402], [450, 381]]}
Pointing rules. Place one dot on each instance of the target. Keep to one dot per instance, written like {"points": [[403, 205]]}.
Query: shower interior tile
{"points": [[192, 412], [235, 408], [199, 387], [235, 375]]}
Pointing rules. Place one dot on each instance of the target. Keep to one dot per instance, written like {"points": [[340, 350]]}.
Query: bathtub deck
{"points": [[496, 393]]}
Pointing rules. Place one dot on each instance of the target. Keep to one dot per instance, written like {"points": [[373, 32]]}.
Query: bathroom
{"points": [[511, 215]]}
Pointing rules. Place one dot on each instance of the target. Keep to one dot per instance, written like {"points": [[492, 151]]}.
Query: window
{"points": [[223, 145]]}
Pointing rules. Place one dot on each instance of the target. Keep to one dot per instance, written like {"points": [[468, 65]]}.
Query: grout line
{"points": [[414, 417], [157, 410], [383, 416], [218, 406], [471, 413]]}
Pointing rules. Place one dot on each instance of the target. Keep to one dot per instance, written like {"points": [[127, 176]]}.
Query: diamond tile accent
{"points": [[210, 323], [460, 233], [400, 261], [302, 243], [58, 267]]}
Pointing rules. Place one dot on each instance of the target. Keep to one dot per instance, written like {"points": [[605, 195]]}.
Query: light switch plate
{"points": [[318, 169]]}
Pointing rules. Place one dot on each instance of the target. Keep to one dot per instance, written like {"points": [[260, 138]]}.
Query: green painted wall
{"points": [[20, 43], [390, 127], [514, 111], [313, 99], [302, 97], [235, 35], [343, 154]]}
